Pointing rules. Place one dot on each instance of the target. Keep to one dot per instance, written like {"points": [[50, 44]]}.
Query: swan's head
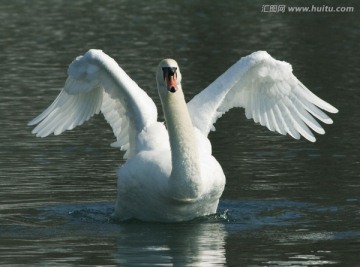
{"points": [[168, 76]]}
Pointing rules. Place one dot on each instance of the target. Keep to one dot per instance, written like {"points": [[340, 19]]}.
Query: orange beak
{"points": [[171, 84], [170, 79]]}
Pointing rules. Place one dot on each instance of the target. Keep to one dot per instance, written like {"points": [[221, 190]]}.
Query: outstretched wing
{"points": [[97, 83], [270, 94]]}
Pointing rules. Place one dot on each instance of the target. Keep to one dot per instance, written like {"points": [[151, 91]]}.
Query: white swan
{"points": [[170, 174]]}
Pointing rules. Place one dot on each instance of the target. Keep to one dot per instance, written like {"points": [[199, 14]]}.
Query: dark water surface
{"points": [[286, 203]]}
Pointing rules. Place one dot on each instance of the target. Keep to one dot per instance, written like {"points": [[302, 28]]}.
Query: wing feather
{"points": [[306, 117], [280, 120], [97, 83], [270, 94], [272, 122], [299, 124], [288, 121]]}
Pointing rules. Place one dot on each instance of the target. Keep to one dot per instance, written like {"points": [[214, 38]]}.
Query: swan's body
{"points": [[170, 173]]}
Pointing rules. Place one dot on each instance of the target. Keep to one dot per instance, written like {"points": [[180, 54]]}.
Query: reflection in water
{"points": [[85, 233], [133, 243], [198, 244], [303, 260]]}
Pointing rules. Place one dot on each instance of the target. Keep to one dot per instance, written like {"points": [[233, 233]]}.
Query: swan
{"points": [[170, 174]]}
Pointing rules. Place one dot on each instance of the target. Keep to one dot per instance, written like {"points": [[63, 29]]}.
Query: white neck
{"points": [[185, 179]]}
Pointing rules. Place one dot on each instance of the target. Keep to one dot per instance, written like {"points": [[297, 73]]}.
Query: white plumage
{"points": [[170, 174], [270, 94]]}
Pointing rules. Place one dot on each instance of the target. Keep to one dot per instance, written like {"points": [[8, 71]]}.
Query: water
{"points": [[286, 202]]}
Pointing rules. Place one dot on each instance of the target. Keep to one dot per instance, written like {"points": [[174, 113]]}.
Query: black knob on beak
{"points": [[169, 70]]}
